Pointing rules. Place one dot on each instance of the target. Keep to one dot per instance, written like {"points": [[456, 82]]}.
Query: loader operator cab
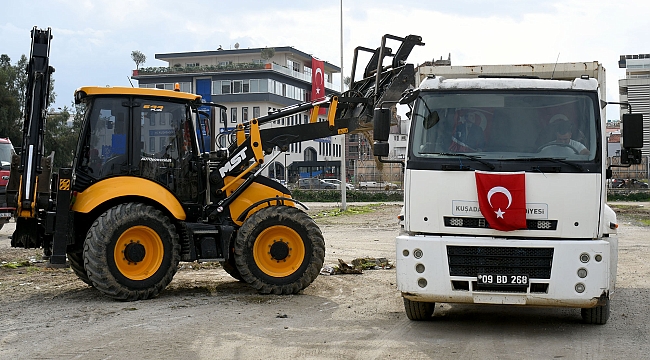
{"points": [[139, 132]]}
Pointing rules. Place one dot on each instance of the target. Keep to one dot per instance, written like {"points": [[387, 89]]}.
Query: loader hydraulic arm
{"points": [[36, 102], [28, 189], [349, 113]]}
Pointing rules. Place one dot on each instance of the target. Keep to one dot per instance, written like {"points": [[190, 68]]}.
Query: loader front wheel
{"points": [[131, 252], [279, 250]]}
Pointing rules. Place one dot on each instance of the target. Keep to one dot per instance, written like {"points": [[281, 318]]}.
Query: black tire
{"points": [[230, 266], [597, 315], [279, 250], [130, 270], [417, 310], [76, 259]]}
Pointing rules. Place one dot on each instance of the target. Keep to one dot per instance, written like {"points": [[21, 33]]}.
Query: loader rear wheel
{"points": [[76, 259], [279, 250], [131, 252]]}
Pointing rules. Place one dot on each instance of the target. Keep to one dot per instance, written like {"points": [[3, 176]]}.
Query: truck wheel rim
{"points": [[138, 253], [278, 251]]}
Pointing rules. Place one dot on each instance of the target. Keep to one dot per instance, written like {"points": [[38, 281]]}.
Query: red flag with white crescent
{"points": [[502, 199], [318, 82]]}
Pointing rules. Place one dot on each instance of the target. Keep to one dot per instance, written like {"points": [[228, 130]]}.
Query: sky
{"points": [[93, 40]]}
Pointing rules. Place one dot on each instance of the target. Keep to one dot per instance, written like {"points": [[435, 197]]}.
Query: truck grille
{"points": [[473, 260]]}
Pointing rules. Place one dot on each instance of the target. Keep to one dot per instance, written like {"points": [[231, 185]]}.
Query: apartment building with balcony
{"points": [[635, 90], [251, 83]]}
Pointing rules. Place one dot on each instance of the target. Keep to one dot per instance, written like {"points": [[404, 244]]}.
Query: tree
{"points": [[267, 53], [10, 100], [138, 57], [13, 87], [60, 137]]}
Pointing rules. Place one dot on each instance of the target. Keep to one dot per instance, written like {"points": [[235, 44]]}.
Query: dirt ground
{"points": [[205, 314]]}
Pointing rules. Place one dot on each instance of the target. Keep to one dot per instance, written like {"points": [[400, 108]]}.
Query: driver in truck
{"points": [[562, 128]]}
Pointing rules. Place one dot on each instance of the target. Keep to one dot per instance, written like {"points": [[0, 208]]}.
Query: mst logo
{"points": [[241, 156]]}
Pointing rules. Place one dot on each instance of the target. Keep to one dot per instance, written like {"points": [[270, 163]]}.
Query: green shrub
{"points": [[628, 196], [350, 195]]}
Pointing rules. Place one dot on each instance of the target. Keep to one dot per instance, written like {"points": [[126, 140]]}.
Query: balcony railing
{"points": [[224, 68]]}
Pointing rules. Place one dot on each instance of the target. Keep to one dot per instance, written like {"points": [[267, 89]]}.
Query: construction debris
{"points": [[357, 267]]}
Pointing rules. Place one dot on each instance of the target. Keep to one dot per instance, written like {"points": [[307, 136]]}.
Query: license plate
{"points": [[5, 215], [498, 280]]}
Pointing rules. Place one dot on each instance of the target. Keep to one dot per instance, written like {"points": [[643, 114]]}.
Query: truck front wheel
{"points": [[417, 310], [131, 252], [279, 250], [596, 315]]}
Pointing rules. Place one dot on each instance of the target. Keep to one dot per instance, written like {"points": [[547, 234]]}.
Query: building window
{"points": [[254, 85], [233, 115], [224, 63], [245, 87], [192, 65], [256, 112], [305, 119], [236, 87], [186, 87], [163, 143], [244, 114], [152, 144], [225, 87]]}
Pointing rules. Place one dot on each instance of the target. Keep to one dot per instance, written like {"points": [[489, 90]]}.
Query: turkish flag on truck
{"points": [[318, 82], [502, 199]]}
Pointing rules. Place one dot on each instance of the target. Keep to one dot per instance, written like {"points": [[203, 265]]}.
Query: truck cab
{"points": [[505, 197], [6, 152]]}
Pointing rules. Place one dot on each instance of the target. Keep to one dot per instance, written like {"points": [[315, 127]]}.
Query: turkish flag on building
{"points": [[318, 82], [502, 199]]}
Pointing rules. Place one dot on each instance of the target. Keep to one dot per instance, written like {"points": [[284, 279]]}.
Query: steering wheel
{"points": [[541, 148]]}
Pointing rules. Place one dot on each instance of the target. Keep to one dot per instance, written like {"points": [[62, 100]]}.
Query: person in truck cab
{"points": [[562, 128]]}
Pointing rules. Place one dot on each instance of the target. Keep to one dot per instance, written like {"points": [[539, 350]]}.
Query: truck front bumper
{"points": [[578, 273]]}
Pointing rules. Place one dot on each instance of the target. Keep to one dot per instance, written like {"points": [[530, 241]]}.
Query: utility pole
{"points": [[344, 204]]}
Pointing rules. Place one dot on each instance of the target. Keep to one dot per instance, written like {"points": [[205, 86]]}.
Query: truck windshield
{"points": [[506, 125]]}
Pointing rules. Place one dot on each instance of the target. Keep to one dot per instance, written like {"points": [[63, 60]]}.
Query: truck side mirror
{"points": [[380, 148], [381, 124], [632, 131], [409, 96], [632, 138]]}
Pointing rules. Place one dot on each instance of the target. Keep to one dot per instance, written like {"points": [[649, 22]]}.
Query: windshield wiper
{"points": [[556, 160], [471, 157]]}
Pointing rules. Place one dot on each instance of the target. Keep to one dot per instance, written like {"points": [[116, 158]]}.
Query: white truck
{"points": [[505, 196]]}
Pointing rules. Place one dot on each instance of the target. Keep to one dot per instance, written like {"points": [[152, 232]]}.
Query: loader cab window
{"points": [[166, 145], [151, 139], [105, 138]]}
